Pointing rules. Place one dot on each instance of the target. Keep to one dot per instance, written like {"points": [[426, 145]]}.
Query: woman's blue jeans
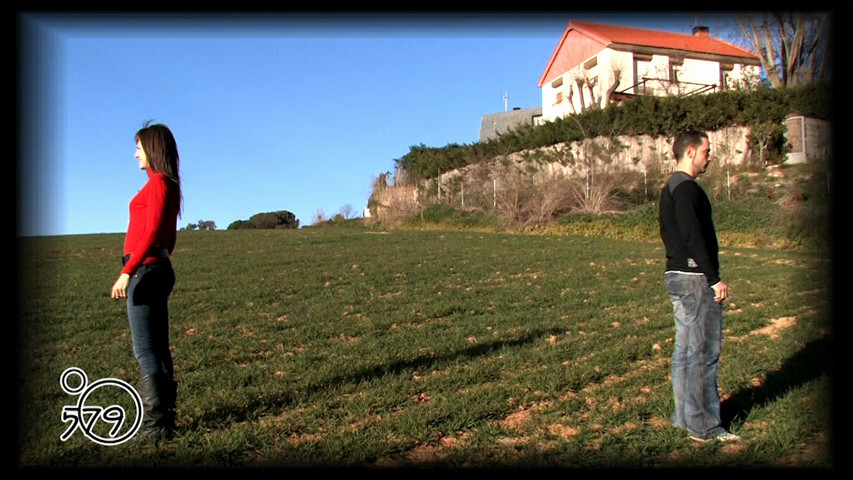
{"points": [[148, 313], [698, 334]]}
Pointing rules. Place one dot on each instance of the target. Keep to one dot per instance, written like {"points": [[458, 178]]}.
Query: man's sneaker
{"points": [[723, 437], [727, 437]]}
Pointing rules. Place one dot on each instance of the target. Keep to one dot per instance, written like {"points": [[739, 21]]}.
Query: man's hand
{"points": [[721, 291]]}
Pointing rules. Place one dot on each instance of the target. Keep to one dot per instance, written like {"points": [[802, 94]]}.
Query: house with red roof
{"points": [[595, 64]]}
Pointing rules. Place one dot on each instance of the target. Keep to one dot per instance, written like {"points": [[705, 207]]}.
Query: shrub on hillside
{"points": [[642, 116], [445, 215], [268, 220]]}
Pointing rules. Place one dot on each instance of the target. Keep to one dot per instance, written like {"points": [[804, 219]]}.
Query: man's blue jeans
{"points": [[698, 332], [148, 313]]}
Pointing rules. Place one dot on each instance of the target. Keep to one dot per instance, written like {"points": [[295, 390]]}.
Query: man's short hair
{"points": [[689, 138]]}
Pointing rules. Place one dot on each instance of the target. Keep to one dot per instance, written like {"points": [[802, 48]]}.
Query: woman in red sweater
{"points": [[147, 277]]}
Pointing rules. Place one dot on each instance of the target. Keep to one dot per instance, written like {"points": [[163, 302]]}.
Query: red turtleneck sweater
{"points": [[153, 221]]}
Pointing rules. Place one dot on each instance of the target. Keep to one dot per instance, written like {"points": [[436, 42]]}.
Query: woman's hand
{"points": [[120, 287]]}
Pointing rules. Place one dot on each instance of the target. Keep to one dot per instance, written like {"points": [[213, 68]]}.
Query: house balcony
{"points": [[661, 87]]}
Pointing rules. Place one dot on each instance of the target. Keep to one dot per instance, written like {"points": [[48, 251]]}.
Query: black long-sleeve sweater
{"points": [[687, 228]]}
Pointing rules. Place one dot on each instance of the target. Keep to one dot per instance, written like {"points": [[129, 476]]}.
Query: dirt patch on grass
{"points": [[777, 325], [519, 419], [437, 450]]}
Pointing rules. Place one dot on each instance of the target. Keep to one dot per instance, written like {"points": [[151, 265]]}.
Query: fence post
{"points": [[728, 185]]}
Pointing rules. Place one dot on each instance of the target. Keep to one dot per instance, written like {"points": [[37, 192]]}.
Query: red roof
{"points": [[615, 35]]}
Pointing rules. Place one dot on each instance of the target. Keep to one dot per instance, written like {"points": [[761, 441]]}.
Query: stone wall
{"points": [[390, 203], [642, 154], [647, 155]]}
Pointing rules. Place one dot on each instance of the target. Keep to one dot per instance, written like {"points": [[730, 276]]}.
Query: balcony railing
{"points": [[664, 86]]}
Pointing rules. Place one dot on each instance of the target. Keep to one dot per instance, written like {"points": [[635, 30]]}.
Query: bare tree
{"points": [[580, 81], [793, 47], [569, 96], [596, 152], [588, 86], [608, 94], [551, 197], [347, 211]]}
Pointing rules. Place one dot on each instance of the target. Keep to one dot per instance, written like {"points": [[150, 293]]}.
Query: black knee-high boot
{"points": [[158, 392]]}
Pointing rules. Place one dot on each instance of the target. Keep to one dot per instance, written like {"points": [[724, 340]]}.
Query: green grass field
{"points": [[363, 348]]}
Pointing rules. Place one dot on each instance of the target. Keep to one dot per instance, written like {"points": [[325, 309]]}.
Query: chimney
{"points": [[700, 31]]}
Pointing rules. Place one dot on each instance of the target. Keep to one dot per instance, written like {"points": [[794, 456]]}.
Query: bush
{"points": [[646, 115], [749, 214], [268, 220], [767, 213], [447, 216]]}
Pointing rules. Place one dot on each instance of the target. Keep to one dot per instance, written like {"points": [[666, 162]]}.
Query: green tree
{"points": [[206, 225], [267, 220]]}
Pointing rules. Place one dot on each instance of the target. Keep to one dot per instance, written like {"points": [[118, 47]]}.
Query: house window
{"points": [[641, 67], [726, 76], [675, 69], [674, 73], [590, 63], [556, 83], [558, 98]]}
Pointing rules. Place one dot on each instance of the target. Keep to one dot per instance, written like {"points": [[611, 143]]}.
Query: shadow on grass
{"points": [[243, 412], [814, 360]]}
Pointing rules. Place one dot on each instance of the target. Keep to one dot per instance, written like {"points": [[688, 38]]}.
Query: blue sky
{"points": [[271, 112]]}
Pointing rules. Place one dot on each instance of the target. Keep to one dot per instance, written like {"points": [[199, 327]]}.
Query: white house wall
{"points": [[551, 108], [691, 71], [604, 60]]}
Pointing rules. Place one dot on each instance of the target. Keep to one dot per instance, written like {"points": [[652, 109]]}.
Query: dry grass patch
{"points": [[443, 446], [777, 325]]}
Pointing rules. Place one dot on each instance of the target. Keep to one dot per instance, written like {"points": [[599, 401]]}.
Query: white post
{"points": [[728, 184]]}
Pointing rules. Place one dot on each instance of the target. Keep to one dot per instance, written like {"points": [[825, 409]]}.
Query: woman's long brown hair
{"points": [[160, 147]]}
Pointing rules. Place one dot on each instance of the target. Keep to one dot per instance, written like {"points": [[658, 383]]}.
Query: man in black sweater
{"points": [[693, 282]]}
